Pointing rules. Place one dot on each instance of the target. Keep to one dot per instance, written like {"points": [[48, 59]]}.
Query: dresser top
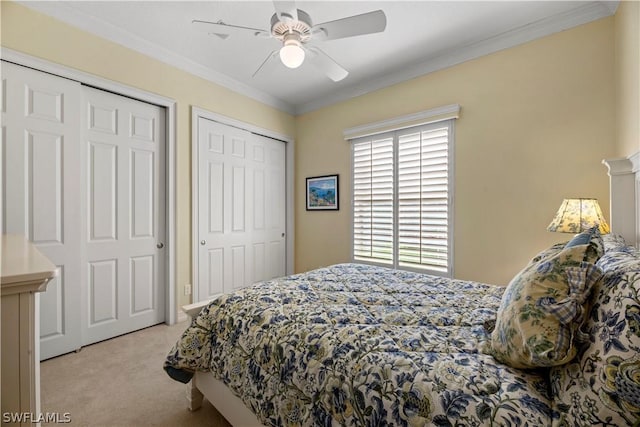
{"points": [[24, 268]]}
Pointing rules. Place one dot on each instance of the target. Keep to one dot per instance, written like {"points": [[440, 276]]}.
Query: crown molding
{"points": [[544, 27], [94, 25], [587, 13], [612, 5]]}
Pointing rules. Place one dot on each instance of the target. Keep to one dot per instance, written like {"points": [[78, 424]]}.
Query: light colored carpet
{"points": [[120, 382]]}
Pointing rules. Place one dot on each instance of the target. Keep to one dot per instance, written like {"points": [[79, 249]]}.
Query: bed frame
{"points": [[624, 178]]}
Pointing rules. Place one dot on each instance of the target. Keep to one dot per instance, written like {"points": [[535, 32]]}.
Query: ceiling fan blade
{"points": [[367, 23], [269, 59], [223, 30], [286, 10], [324, 62]]}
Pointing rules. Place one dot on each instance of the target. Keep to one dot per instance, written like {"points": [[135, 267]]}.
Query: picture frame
{"points": [[323, 193]]}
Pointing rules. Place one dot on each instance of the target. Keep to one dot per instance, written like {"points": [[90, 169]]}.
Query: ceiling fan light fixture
{"points": [[292, 54], [294, 29]]}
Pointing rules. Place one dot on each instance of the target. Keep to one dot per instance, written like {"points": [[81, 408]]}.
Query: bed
{"points": [[360, 345]]}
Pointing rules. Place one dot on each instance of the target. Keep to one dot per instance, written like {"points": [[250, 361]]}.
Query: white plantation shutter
{"points": [[402, 199], [423, 199], [373, 200]]}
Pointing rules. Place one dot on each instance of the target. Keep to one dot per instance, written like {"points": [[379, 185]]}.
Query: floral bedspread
{"points": [[360, 345]]}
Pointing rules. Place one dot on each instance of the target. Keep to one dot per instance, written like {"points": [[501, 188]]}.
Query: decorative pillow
{"points": [[613, 242], [619, 260], [549, 252], [544, 306], [602, 385], [593, 238]]}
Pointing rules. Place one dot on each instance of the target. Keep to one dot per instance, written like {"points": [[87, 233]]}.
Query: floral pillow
{"points": [[613, 242], [594, 239], [602, 385], [549, 252], [544, 306]]}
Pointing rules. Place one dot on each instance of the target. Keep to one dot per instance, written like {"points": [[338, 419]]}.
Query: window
{"points": [[402, 198]]}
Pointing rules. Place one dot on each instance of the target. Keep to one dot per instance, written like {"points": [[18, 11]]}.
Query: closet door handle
{"points": [[160, 245], [203, 242]]}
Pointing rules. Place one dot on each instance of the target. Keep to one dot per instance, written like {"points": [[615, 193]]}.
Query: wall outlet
{"points": [[187, 289]]}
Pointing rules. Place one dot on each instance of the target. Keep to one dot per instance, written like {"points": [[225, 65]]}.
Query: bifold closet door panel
{"points": [[241, 219], [124, 200], [41, 167]]}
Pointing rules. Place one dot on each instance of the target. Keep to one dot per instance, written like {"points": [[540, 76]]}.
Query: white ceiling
{"points": [[420, 37]]}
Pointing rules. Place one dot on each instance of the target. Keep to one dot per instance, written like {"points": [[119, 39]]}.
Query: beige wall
{"points": [[536, 121], [38, 35], [627, 66]]}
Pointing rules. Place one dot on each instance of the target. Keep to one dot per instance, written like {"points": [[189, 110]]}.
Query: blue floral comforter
{"points": [[361, 346]]}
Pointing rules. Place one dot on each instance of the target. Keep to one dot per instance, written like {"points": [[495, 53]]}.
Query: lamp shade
{"points": [[577, 215]]}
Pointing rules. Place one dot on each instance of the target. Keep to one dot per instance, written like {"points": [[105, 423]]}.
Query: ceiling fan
{"points": [[294, 28]]}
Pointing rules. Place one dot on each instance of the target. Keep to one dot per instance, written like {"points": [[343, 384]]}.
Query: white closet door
{"points": [[123, 172], [241, 209], [41, 166], [269, 214]]}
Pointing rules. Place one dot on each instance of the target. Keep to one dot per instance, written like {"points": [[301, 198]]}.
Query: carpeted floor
{"points": [[120, 382]]}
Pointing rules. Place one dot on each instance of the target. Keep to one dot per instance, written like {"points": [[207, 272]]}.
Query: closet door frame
{"points": [[9, 55], [197, 113]]}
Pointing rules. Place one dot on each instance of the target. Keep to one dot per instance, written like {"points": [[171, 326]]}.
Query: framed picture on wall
{"points": [[322, 193]]}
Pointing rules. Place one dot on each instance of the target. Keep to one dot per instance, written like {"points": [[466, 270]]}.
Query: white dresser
{"points": [[24, 272]]}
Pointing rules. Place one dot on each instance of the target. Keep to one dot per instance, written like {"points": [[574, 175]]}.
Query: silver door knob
{"points": [[160, 245], [203, 242]]}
